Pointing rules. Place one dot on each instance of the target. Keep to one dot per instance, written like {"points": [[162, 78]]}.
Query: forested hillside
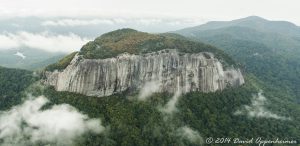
{"points": [[12, 84], [134, 122], [268, 49], [129, 121]]}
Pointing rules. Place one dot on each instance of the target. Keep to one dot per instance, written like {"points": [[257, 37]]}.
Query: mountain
{"points": [[27, 58], [146, 116], [156, 88], [128, 59], [268, 49], [253, 22], [134, 42], [282, 37]]}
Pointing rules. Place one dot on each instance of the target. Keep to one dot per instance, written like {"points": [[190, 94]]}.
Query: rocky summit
{"points": [[171, 69]]}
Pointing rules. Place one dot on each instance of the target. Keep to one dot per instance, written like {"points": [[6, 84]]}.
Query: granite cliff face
{"points": [[169, 69]]}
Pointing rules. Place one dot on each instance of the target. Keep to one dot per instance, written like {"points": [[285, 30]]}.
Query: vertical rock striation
{"points": [[170, 69]]}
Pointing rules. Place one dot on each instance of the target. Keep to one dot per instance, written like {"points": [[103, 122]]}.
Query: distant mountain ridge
{"points": [[268, 49], [33, 58], [253, 22]]}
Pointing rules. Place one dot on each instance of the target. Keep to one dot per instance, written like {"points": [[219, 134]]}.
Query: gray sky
{"points": [[198, 10], [66, 25]]}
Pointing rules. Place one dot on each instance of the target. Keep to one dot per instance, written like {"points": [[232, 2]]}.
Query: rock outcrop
{"points": [[170, 69]]}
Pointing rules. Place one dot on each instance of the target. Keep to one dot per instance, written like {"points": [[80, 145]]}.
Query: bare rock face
{"points": [[169, 69]]}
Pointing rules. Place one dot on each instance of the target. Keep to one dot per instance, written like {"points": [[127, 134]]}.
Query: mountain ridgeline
{"points": [[133, 59], [268, 49], [28, 58]]}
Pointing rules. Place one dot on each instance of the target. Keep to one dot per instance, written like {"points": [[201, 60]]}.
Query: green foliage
{"points": [[134, 42], [61, 64], [133, 122], [267, 49], [215, 119], [280, 72], [12, 83], [130, 122]]}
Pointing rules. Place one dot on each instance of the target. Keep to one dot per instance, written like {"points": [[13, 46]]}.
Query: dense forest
{"points": [[12, 83], [134, 122], [277, 70], [135, 42], [132, 41], [129, 121], [268, 49]]}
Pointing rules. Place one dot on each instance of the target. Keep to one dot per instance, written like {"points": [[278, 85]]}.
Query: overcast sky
{"points": [[65, 25], [202, 10]]}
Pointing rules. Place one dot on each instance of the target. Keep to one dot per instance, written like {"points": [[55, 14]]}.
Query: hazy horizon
{"points": [[195, 10], [64, 26]]}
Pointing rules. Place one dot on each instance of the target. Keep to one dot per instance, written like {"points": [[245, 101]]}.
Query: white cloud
{"points": [[27, 124], [149, 21], [8, 41], [123, 21], [257, 109], [191, 135], [148, 89], [212, 9], [20, 55], [77, 22], [44, 41], [170, 107]]}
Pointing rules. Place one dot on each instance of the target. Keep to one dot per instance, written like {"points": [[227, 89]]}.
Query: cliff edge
{"points": [[171, 69]]}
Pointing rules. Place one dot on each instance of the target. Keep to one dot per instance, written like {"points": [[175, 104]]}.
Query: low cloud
{"points": [[73, 22], [189, 134], [20, 55], [44, 41], [170, 107], [77, 22], [149, 21], [257, 109], [28, 124], [148, 89]]}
